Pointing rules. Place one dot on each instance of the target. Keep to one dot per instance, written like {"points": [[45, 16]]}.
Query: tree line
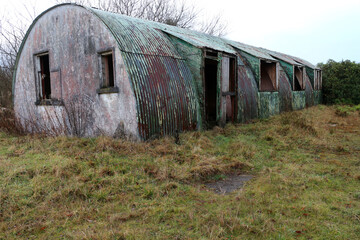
{"points": [[341, 82]]}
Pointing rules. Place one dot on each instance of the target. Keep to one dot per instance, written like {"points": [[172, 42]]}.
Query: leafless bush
{"points": [[172, 12], [79, 116], [8, 122]]}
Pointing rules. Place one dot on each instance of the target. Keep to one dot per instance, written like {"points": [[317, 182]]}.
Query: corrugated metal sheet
{"points": [[135, 36], [255, 51], [161, 80], [247, 91], [200, 40], [309, 94], [285, 93], [281, 56], [289, 70], [303, 62]]}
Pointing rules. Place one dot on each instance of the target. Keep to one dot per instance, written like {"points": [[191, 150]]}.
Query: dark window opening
{"points": [[107, 66], [268, 76], [299, 79], [211, 72], [44, 77]]}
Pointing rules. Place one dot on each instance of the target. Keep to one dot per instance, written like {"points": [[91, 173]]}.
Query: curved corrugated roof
{"points": [[281, 56], [161, 80], [254, 51]]}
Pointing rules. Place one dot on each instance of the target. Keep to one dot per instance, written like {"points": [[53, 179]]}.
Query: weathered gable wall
{"points": [[72, 35]]}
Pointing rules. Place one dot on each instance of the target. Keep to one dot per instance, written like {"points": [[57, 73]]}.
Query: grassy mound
{"points": [[306, 168]]}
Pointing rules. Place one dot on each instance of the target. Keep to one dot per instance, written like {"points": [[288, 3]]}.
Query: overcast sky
{"points": [[316, 30]]}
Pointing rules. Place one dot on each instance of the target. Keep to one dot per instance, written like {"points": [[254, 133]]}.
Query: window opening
{"points": [[268, 76], [299, 79], [44, 77], [107, 70]]}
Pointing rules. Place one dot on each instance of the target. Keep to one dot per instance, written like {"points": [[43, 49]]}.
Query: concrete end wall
{"points": [[73, 37]]}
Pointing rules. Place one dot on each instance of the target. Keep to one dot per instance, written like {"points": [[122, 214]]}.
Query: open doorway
{"points": [[211, 72]]}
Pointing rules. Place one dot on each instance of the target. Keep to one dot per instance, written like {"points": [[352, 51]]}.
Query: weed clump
{"points": [[296, 120]]}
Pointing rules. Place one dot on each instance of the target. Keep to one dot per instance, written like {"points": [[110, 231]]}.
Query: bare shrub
{"points": [[8, 122], [73, 118]]}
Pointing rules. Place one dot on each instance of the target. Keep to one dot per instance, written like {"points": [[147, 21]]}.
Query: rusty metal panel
{"points": [[247, 95], [161, 80], [285, 93], [194, 59], [166, 98]]}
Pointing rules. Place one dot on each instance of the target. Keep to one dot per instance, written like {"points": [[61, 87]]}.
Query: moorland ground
{"points": [[305, 185]]}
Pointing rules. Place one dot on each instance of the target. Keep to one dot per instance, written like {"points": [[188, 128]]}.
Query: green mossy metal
{"points": [[289, 70], [193, 57], [298, 100], [268, 104], [317, 97], [254, 63], [310, 73]]}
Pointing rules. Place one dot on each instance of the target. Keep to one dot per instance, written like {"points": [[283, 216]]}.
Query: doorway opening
{"points": [[231, 91], [211, 72]]}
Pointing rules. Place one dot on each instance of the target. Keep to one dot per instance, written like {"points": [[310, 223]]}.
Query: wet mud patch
{"points": [[229, 184]]}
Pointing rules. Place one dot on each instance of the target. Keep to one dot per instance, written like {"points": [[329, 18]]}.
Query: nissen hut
{"points": [[83, 71]]}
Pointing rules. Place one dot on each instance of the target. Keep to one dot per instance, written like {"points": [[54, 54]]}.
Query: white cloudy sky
{"points": [[316, 30]]}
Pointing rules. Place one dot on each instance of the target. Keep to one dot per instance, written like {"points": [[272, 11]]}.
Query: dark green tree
{"points": [[341, 82]]}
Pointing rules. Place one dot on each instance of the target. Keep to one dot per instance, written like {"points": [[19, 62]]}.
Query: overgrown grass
{"points": [[307, 176]]}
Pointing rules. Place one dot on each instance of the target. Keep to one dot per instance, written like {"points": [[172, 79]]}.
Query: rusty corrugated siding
{"points": [[309, 93], [285, 92], [247, 91], [161, 80]]}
